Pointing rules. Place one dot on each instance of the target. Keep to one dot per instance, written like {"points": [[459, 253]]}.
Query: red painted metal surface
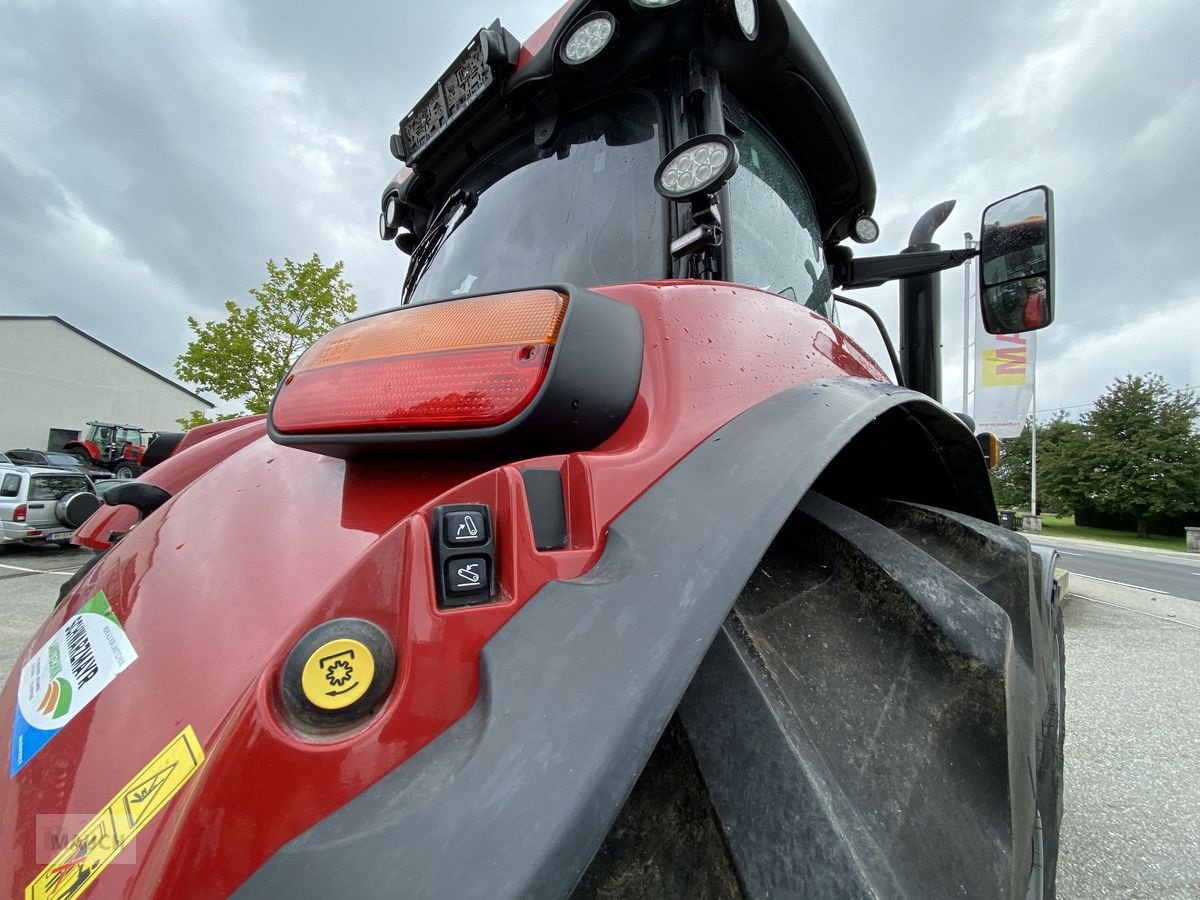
{"points": [[259, 543], [535, 42]]}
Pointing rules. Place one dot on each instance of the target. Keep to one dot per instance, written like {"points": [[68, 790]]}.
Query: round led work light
{"points": [[746, 13], [697, 167], [386, 232], [590, 36], [653, 4], [866, 230]]}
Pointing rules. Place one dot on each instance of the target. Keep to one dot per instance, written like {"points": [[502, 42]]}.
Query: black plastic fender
{"points": [[514, 798]]}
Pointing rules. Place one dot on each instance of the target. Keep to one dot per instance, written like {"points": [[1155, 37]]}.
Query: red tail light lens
{"points": [[20, 513], [468, 363], [543, 370]]}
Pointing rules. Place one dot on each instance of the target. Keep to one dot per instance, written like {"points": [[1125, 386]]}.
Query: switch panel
{"points": [[464, 554]]}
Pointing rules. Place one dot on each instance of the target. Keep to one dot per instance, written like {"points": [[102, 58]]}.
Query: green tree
{"points": [[1010, 478], [1058, 445], [243, 357], [197, 417], [1142, 456]]}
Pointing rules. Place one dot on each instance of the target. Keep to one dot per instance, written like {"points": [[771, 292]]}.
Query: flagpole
{"points": [[966, 326], [1033, 510]]}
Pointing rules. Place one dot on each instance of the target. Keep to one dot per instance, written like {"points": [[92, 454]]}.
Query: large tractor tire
{"points": [[880, 716], [127, 470]]}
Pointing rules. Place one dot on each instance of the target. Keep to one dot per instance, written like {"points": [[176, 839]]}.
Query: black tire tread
{"points": [[896, 666]]}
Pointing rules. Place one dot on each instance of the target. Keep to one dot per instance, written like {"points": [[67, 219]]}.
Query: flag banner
{"points": [[1004, 369]]}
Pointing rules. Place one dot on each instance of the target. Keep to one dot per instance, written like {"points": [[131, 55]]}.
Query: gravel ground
{"points": [[1132, 807]]}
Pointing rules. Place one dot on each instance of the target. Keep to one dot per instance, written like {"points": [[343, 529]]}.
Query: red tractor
{"points": [[605, 565], [119, 448]]}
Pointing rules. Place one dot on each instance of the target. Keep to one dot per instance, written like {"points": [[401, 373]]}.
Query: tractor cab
{"points": [[583, 117], [116, 441], [636, 142]]}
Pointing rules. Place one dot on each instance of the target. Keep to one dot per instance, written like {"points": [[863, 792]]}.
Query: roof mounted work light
{"points": [[548, 370], [745, 12], [588, 38]]}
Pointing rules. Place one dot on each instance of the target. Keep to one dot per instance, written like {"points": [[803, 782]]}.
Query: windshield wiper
{"points": [[460, 204]]}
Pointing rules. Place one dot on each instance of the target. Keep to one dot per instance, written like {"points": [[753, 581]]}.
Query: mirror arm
{"points": [[887, 341], [872, 271]]}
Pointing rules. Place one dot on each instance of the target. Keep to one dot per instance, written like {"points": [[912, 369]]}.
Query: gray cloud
{"points": [[153, 155], [1099, 100]]}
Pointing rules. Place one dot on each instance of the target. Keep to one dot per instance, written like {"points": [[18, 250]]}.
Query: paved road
{"points": [[1162, 574], [1131, 818], [1131, 824]]}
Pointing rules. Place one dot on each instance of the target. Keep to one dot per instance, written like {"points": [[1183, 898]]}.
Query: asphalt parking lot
{"points": [[1132, 805], [29, 582]]}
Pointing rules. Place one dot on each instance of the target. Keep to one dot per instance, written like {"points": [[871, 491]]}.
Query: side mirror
{"points": [[1016, 262]]}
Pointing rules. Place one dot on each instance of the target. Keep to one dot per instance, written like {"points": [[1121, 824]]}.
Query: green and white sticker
{"points": [[65, 675]]}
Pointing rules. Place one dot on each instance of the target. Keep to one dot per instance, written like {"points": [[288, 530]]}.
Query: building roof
{"points": [[98, 343]]}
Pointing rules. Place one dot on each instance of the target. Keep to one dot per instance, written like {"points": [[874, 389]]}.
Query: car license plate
{"points": [[59, 535]]}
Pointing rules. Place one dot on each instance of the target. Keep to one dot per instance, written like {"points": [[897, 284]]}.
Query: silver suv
{"points": [[38, 504]]}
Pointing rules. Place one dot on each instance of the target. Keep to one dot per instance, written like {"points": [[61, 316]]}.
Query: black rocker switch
{"points": [[465, 527], [464, 554], [466, 575]]}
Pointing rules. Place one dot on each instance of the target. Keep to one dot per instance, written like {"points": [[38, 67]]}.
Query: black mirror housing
{"points": [[1016, 262]]}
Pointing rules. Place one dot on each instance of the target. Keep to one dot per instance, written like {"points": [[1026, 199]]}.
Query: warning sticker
{"points": [[63, 677], [114, 827]]}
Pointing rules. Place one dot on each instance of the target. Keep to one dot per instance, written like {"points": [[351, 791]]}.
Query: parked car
{"points": [[57, 459], [43, 505]]}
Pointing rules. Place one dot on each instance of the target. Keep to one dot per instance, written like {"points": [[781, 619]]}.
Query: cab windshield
{"points": [[581, 211]]}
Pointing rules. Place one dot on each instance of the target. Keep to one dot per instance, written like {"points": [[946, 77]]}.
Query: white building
{"points": [[54, 379]]}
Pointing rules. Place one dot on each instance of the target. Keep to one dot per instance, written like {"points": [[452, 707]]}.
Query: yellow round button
{"points": [[337, 673]]}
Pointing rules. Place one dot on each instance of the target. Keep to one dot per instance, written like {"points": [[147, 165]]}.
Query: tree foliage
{"points": [[197, 417], [243, 357], [1135, 454], [1057, 443], [1142, 456]]}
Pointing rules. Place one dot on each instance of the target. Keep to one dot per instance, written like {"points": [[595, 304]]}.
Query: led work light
{"points": [[589, 37]]}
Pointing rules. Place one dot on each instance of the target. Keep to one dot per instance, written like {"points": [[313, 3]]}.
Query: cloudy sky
{"points": [[154, 154]]}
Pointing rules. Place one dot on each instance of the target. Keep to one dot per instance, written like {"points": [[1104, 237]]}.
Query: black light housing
{"points": [[696, 168], [588, 38]]}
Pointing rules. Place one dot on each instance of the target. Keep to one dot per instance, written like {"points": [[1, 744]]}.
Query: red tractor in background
{"points": [[119, 448]]}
